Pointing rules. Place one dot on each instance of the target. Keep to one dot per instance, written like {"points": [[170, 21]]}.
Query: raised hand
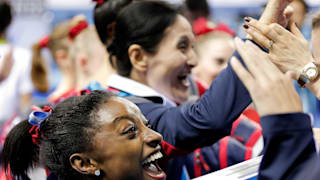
{"points": [[271, 90], [276, 12], [288, 50]]}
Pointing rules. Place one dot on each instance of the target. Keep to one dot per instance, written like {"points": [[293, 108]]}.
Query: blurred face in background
{"points": [[213, 51]]}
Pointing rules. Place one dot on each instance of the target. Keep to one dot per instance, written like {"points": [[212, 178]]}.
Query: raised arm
{"points": [[289, 151], [211, 118], [290, 51]]}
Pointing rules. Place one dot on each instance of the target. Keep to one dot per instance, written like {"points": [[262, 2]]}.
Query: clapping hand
{"points": [[271, 90]]}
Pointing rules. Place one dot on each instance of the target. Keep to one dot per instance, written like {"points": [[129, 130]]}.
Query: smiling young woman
{"points": [[93, 136], [151, 47]]}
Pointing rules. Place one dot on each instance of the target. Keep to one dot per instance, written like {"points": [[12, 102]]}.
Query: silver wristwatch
{"points": [[309, 73]]}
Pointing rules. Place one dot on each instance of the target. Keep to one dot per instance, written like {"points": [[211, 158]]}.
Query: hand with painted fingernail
{"points": [[288, 50]]}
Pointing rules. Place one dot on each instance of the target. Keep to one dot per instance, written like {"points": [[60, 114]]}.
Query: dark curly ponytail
{"points": [[68, 130]]}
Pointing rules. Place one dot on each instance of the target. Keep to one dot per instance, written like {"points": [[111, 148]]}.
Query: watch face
{"points": [[311, 73]]}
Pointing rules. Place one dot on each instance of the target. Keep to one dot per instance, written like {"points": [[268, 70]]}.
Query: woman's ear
{"points": [[83, 164], [138, 57]]}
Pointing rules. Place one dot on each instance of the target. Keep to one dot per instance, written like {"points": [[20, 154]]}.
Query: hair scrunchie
{"points": [[43, 43], [36, 119], [98, 1], [75, 30]]}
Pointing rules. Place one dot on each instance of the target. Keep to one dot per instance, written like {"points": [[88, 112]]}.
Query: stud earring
{"points": [[97, 172]]}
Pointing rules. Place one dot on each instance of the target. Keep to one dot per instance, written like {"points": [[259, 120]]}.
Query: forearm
{"points": [[288, 145]]}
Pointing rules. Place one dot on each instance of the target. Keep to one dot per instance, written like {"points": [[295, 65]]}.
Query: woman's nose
{"points": [[152, 138], [192, 58]]}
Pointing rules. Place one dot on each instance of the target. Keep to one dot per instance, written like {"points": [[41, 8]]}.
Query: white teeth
{"points": [[186, 82], [152, 158]]}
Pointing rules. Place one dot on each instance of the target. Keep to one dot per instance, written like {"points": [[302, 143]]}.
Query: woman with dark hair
{"points": [[153, 20], [154, 57], [93, 136], [151, 46]]}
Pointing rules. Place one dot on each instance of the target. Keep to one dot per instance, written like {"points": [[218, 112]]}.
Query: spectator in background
{"points": [[198, 14], [6, 65], [89, 57], [214, 50], [16, 89], [58, 43], [193, 10]]}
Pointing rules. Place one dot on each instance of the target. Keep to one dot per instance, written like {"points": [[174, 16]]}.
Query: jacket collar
{"points": [[135, 88]]}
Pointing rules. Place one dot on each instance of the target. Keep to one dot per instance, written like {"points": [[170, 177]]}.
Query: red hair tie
{"points": [[75, 30], [43, 43], [202, 26], [98, 1], [35, 134]]}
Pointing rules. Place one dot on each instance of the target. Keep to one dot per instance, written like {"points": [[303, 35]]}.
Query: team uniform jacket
{"points": [[191, 126], [195, 125], [290, 151]]}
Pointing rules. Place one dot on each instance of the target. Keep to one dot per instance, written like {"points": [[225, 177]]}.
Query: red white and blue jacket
{"points": [[220, 155]]}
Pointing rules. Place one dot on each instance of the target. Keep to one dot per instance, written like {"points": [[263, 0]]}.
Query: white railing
{"points": [[242, 171]]}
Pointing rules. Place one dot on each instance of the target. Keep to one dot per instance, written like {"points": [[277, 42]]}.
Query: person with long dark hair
{"points": [[151, 47]]}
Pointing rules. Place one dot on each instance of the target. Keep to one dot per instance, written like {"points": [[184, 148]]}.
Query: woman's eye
{"points": [[183, 47], [220, 61], [131, 129]]}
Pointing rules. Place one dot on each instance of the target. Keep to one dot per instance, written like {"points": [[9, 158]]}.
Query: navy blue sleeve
{"points": [[290, 150], [205, 122]]}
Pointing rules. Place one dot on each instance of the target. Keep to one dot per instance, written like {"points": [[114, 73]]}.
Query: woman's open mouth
{"points": [[183, 79], [151, 167]]}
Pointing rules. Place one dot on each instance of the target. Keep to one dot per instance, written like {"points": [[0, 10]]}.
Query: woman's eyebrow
{"points": [[118, 119], [184, 39]]}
